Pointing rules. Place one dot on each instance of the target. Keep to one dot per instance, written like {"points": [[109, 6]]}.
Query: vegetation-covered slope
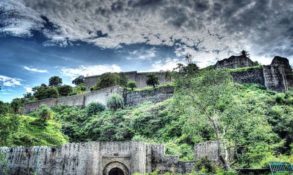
{"points": [[255, 123]]}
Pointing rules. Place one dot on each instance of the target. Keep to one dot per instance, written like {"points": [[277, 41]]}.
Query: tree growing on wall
{"points": [[131, 85], [244, 53], [152, 80], [55, 81]]}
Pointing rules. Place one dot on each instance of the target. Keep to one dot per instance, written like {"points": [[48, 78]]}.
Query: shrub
{"points": [[115, 102], [94, 108], [45, 113]]}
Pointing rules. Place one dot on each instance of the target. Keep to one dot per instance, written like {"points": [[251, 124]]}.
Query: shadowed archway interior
{"points": [[116, 171]]}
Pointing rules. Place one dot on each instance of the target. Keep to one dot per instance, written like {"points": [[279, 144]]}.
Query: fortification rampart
{"points": [[139, 78], [100, 96], [277, 76], [157, 95]]}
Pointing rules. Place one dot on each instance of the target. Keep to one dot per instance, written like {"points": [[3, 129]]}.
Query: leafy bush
{"points": [[94, 108], [45, 113], [22, 131], [115, 102]]}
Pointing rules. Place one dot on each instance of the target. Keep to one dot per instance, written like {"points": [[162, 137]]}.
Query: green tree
{"points": [[43, 92], [115, 102], [108, 80], [55, 81], [211, 101], [65, 90], [152, 80], [131, 85]]}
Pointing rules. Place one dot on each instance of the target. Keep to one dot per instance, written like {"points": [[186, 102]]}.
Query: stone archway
{"points": [[115, 168]]}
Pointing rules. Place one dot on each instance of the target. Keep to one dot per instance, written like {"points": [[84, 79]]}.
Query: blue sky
{"points": [[40, 38]]}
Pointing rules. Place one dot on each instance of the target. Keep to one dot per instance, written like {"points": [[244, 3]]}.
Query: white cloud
{"points": [[9, 81], [32, 69], [167, 65], [28, 90], [142, 54], [89, 70]]}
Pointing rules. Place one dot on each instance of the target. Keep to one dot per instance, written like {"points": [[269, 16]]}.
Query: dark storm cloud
{"points": [[261, 26]]}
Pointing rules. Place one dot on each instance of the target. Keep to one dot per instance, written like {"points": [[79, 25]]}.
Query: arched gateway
{"points": [[115, 168]]}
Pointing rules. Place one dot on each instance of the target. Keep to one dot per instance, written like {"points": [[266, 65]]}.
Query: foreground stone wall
{"points": [[163, 163], [92, 158]]}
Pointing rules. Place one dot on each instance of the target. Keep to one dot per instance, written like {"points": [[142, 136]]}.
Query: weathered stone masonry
{"points": [[92, 158], [277, 76], [101, 96]]}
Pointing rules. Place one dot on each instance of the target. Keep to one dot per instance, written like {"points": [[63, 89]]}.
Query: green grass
{"points": [[244, 69]]}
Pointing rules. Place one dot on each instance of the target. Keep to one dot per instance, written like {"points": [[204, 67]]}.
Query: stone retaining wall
{"points": [[157, 95], [130, 97], [92, 158]]}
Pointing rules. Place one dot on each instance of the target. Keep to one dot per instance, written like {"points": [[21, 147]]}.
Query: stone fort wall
{"points": [[92, 158], [130, 97], [138, 77], [277, 76], [100, 96]]}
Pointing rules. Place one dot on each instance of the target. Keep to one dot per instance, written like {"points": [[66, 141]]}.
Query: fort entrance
{"points": [[116, 171], [116, 168]]}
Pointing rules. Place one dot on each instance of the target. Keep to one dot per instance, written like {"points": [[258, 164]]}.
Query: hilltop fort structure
{"points": [[277, 76], [138, 77]]}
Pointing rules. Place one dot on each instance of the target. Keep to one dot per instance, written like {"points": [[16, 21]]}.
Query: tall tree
{"points": [[55, 81], [152, 80], [79, 80]]}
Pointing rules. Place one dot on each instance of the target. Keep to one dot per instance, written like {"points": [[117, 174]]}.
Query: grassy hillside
{"points": [[254, 122]]}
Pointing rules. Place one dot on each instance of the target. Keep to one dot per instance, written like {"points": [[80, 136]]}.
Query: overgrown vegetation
{"points": [[207, 105]]}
